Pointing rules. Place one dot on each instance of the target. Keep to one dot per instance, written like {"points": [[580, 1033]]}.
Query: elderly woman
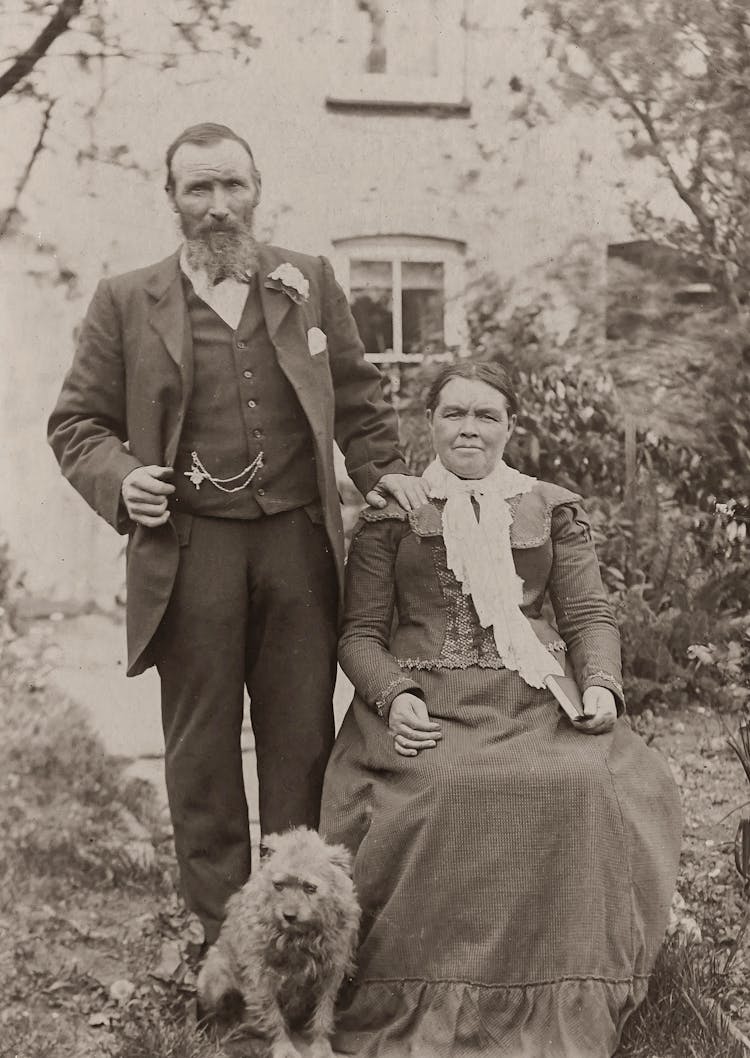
{"points": [[515, 866]]}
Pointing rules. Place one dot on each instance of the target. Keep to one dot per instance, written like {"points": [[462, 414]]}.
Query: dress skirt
{"points": [[515, 880]]}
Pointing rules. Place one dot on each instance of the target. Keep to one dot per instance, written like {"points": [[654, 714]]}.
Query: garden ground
{"points": [[98, 956]]}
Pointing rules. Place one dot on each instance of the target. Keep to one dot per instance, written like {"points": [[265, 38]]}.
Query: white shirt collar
{"points": [[227, 298]]}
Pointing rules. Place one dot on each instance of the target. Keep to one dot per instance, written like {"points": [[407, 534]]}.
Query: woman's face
{"points": [[470, 427]]}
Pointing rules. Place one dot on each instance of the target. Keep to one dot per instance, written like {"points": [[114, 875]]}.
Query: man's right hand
{"points": [[144, 493]]}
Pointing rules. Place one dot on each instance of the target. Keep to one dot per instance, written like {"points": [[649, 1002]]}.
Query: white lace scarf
{"points": [[478, 551]]}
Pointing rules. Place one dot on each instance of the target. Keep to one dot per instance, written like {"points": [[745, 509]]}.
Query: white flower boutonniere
{"points": [[289, 279]]}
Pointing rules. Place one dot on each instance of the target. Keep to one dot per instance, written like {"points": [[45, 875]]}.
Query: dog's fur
{"points": [[287, 942]]}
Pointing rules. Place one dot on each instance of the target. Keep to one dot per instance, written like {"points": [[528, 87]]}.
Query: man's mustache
{"points": [[221, 226]]}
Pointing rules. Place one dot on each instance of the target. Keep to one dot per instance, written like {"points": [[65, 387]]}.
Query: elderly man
{"points": [[199, 417]]}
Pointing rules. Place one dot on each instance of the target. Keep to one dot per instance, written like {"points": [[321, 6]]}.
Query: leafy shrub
{"points": [[68, 814]]}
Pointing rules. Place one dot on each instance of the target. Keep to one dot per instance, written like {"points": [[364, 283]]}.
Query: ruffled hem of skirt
{"points": [[565, 1018]]}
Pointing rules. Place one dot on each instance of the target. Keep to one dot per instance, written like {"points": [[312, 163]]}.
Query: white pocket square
{"points": [[316, 341]]}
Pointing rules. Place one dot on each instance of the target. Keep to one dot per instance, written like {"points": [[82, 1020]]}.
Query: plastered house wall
{"points": [[512, 192]]}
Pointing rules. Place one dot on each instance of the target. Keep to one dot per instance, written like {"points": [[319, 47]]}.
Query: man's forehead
{"points": [[192, 159]]}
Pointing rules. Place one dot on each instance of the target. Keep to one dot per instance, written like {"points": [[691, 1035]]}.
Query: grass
{"points": [[676, 1020], [148, 1036]]}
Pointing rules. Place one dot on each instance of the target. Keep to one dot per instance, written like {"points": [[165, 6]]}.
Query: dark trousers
{"points": [[254, 604]]}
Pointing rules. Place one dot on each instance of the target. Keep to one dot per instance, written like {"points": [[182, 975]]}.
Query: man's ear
{"points": [[258, 186], [170, 196], [512, 424], [428, 416]]}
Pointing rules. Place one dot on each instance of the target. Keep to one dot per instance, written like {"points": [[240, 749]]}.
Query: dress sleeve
{"points": [[369, 611], [583, 613]]}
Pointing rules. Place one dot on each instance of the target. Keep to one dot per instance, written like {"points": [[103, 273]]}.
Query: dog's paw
{"points": [[321, 1048], [284, 1049]]}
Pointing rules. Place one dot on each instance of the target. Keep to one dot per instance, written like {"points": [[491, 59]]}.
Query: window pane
{"points": [[412, 39], [422, 306], [372, 303], [372, 12], [366, 275], [421, 275], [401, 39]]}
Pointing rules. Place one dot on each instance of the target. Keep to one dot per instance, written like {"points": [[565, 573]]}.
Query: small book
{"points": [[566, 691]]}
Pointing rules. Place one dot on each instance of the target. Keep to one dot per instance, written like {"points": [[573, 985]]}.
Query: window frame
{"points": [[447, 90], [398, 250]]}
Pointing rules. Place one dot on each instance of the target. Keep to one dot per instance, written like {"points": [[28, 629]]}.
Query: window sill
{"points": [[461, 108], [389, 357]]}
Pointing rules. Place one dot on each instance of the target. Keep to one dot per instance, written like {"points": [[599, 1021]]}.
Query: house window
{"points": [[405, 294], [399, 55], [399, 305]]}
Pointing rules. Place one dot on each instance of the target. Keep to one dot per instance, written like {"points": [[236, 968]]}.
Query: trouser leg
{"points": [[200, 656], [291, 666]]}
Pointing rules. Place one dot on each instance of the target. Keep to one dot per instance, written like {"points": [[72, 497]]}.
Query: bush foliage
{"points": [[67, 812]]}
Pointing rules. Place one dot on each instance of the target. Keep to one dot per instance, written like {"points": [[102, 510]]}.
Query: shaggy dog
{"points": [[287, 942]]}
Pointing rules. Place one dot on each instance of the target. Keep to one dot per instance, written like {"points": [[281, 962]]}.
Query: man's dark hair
{"points": [[492, 374], [201, 135]]}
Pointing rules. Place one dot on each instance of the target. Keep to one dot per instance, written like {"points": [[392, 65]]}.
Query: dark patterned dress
{"points": [[516, 879]]}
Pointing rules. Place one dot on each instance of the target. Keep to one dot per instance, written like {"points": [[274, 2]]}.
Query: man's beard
{"points": [[223, 251]]}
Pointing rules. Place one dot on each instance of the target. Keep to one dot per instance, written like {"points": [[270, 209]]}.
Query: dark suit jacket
{"points": [[124, 400]]}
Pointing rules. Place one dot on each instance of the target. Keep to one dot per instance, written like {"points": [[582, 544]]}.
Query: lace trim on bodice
{"points": [[599, 677], [466, 643]]}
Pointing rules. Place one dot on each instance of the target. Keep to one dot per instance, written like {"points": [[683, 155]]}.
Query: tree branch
{"points": [[691, 200], [23, 180], [25, 63], [688, 193], [742, 26]]}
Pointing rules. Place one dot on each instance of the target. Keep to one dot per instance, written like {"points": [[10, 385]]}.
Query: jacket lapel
{"points": [[290, 342], [169, 318], [276, 304], [168, 315]]}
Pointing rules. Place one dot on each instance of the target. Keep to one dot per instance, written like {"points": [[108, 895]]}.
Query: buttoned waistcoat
{"points": [[123, 404]]}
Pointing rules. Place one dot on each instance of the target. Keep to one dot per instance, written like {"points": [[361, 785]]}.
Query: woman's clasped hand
{"points": [[411, 726]]}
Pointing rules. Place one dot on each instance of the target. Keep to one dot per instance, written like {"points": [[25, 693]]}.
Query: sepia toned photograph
{"points": [[374, 559]]}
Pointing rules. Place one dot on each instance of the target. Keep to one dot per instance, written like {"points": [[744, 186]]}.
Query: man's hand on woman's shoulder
{"points": [[411, 492]]}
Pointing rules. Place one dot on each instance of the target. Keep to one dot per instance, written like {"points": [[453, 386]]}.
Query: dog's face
{"points": [[297, 901], [305, 880]]}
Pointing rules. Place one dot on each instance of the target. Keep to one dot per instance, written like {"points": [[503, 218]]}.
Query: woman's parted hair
{"points": [[201, 135], [494, 375]]}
